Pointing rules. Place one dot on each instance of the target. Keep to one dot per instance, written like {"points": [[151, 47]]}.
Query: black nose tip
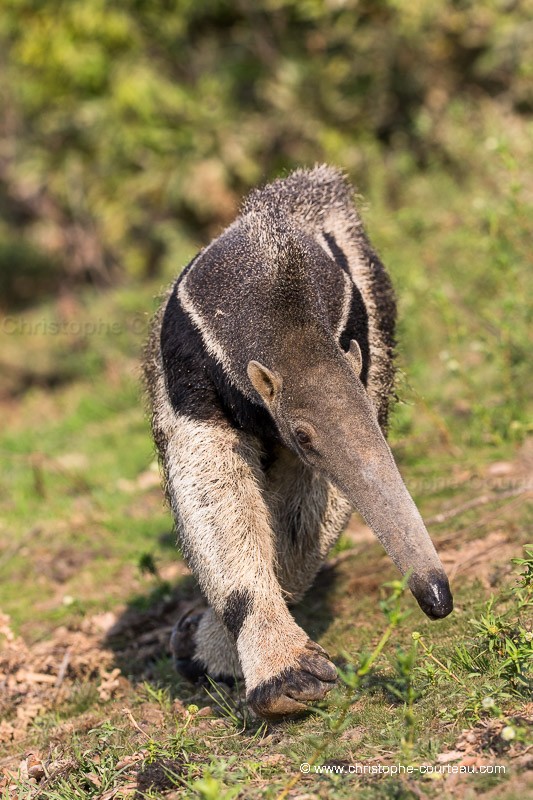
{"points": [[432, 594]]}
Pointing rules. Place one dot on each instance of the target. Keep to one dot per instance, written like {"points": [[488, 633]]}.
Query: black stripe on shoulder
{"points": [[385, 302], [189, 387], [197, 383], [244, 414], [337, 252], [383, 293], [357, 322], [357, 328]]}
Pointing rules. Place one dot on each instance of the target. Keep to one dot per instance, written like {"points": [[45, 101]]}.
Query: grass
{"points": [[396, 694], [84, 530]]}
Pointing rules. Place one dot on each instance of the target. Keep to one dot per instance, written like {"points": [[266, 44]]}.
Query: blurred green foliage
{"points": [[127, 126]]}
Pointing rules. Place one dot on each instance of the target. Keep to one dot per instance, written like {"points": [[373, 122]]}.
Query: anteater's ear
{"points": [[266, 383], [355, 358]]}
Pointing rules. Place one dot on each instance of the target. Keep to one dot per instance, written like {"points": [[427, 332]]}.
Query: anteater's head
{"points": [[323, 413]]}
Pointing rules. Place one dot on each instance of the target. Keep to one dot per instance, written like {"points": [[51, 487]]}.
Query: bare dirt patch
{"points": [[40, 678]]}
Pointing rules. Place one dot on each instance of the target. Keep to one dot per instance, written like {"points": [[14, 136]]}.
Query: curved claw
{"points": [[286, 694]]}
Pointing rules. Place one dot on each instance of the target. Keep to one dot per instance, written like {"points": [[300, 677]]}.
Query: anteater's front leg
{"points": [[216, 487]]}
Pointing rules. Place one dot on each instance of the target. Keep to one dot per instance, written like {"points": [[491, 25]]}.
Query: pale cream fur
{"points": [[215, 648], [300, 500]]}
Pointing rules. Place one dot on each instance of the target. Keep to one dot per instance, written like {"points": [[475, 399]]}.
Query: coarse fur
{"points": [[279, 332]]}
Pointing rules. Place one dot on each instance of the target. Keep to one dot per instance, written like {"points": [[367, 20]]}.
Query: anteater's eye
{"points": [[302, 437]]}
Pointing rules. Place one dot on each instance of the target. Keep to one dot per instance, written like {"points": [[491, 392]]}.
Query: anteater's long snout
{"points": [[363, 467], [380, 496], [397, 523], [389, 510]]}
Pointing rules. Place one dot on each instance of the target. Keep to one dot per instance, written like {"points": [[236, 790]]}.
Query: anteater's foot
{"points": [[287, 693], [201, 647], [183, 646]]}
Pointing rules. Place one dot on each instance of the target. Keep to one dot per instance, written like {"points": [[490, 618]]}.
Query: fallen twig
{"points": [[134, 722], [63, 668]]}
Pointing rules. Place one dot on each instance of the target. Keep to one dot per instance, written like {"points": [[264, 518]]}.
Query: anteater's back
{"points": [[320, 201], [219, 289]]}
